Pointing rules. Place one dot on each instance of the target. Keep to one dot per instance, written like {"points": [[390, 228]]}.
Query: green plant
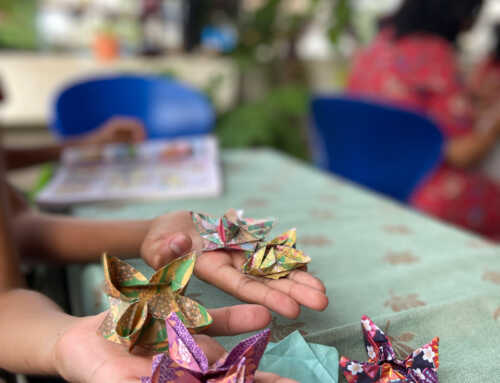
{"points": [[341, 19], [278, 117], [277, 120], [17, 24], [267, 26]]}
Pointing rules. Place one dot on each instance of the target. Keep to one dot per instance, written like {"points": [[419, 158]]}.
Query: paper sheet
{"points": [[157, 169], [294, 358]]}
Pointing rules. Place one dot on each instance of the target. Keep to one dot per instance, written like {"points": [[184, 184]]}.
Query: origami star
{"points": [[383, 367], [231, 231], [138, 306], [276, 259], [187, 363]]}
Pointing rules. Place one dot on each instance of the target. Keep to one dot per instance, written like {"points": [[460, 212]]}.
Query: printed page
{"points": [[159, 169]]}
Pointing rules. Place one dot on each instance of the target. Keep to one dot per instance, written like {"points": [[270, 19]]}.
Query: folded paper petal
{"points": [[277, 258], [383, 366], [138, 306], [231, 231], [185, 362]]}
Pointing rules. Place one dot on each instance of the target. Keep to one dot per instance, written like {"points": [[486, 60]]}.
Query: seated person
{"points": [[412, 63]]}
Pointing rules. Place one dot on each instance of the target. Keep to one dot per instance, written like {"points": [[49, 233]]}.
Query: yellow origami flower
{"points": [[276, 259], [139, 307]]}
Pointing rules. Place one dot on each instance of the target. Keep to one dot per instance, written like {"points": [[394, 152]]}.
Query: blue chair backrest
{"points": [[387, 149], [166, 107]]}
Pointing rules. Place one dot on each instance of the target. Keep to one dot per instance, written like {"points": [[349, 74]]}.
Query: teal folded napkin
{"points": [[294, 358]]}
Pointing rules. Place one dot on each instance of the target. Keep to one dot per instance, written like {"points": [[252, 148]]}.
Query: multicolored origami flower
{"points": [[185, 362], [231, 231], [138, 306], [276, 259], [383, 367]]}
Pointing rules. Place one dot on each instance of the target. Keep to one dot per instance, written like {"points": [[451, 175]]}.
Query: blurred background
{"points": [[258, 60], [260, 63], [265, 66]]}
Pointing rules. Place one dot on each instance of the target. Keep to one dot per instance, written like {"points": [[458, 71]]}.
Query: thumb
{"points": [[160, 251]]}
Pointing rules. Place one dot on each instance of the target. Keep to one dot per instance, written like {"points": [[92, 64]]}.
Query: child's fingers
{"points": [[234, 320], [305, 278], [302, 294], [216, 268], [267, 377], [160, 251]]}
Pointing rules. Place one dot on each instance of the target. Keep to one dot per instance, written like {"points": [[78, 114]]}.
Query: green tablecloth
{"points": [[415, 277]]}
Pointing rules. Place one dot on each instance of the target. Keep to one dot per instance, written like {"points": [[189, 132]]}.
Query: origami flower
{"points": [[383, 367], [276, 259], [185, 362], [231, 231], [138, 306]]}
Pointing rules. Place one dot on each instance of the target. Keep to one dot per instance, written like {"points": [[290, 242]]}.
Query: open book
{"points": [[180, 168]]}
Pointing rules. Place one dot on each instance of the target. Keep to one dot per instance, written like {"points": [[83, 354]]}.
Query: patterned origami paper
{"points": [[276, 259], [383, 366], [138, 306], [187, 363], [231, 231]]}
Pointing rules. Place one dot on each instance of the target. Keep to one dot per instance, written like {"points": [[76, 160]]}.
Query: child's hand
{"points": [[82, 355], [222, 269], [116, 129]]}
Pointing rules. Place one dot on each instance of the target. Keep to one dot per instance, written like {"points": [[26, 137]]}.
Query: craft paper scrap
{"points": [[294, 358], [186, 362], [138, 306], [277, 258], [383, 366], [231, 231]]}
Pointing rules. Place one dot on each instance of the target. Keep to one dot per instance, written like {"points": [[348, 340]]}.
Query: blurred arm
{"points": [[468, 150], [64, 239], [17, 158], [30, 326], [117, 129], [10, 275]]}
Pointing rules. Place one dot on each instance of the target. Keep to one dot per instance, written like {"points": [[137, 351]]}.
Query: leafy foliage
{"points": [[17, 24], [341, 19], [277, 120]]}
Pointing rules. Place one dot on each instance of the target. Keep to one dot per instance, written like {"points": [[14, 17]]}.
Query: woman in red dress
{"points": [[412, 62]]}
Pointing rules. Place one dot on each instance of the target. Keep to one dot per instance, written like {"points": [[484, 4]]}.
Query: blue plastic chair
{"points": [[387, 149], [166, 107]]}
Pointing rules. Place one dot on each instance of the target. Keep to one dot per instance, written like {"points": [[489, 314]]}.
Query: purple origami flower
{"points": [[185, 362], [383, 366]]}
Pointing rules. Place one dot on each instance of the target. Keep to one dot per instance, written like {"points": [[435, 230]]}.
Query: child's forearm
{"points": [[10, 275], [30, 325], [64, 239], [16, 158]]}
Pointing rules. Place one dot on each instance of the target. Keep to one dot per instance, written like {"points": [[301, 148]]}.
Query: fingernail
{"points": [[177, 243], [157, 261]]}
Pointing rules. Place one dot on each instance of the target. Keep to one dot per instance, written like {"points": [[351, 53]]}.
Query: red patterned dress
{"points": [[420, 72]]}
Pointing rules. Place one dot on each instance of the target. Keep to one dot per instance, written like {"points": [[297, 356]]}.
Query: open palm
{"points": [[83, 356], [222, 269]]}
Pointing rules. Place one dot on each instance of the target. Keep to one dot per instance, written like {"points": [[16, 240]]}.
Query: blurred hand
{"points": [[82, 355], [117, 129], [174, 234], [489, 118]]}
